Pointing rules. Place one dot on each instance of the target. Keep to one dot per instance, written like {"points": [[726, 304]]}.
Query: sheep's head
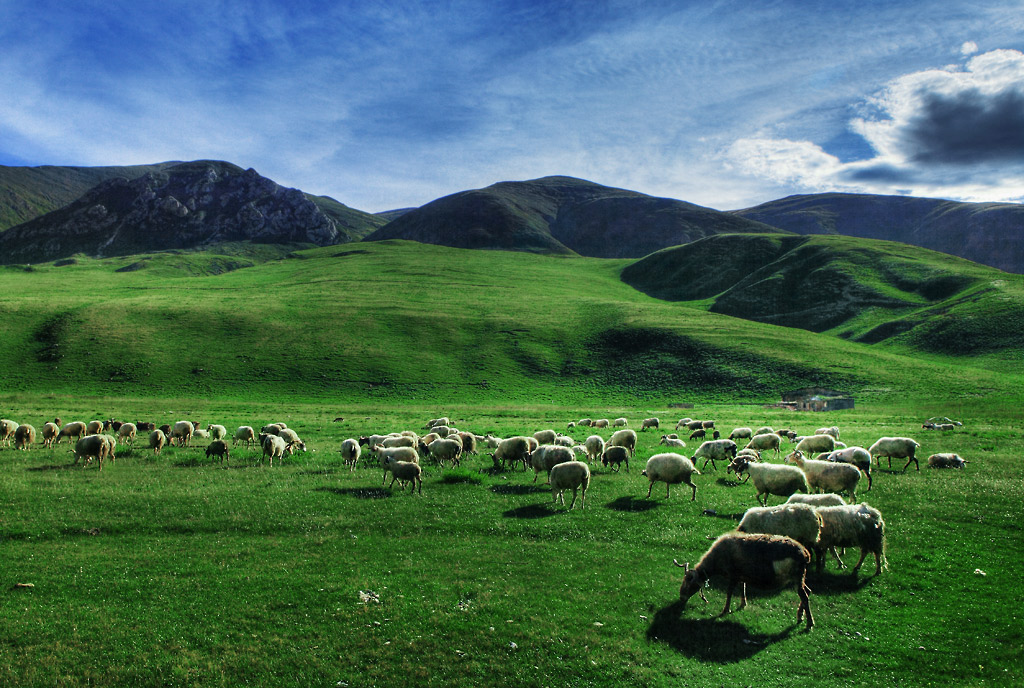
{"points": [[692, 583], [796, 457], [737, 465]]}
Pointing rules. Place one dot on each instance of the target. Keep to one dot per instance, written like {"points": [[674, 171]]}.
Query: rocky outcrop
{"points": [[189, 205]]}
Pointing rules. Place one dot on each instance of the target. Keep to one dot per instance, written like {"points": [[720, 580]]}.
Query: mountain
{"points": [[28, 192], [562, 215], [987, 233], [865, 290], [182, 206]]}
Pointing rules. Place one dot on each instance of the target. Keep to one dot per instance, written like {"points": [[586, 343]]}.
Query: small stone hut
{"points": [[817, 399]]}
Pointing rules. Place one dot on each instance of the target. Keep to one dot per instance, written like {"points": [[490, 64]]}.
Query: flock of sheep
{"points": [[771, 547]]}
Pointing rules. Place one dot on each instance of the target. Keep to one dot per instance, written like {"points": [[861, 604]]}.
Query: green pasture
{"points": [[174, 570]]}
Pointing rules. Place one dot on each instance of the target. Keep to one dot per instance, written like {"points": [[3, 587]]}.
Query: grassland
{"points": [[175, 571]]}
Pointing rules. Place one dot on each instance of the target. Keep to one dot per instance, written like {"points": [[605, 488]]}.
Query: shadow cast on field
{"points": [[711, 640], [54, 467], [632, 504], [729, 482], [531, 511], [827, 583], [517, 489], [357, 492]]}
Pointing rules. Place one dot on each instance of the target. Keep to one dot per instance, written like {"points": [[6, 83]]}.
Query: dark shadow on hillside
{"points": [[723, 641], [637, 504], [517, 489], [840, 582], [357, 492], [531, 511]]}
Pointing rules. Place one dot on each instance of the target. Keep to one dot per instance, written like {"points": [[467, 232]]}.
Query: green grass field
{"points": [[175, 571]]}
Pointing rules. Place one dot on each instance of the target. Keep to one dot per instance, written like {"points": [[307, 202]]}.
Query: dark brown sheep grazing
{"points": [[764, 561], [698, 434]]}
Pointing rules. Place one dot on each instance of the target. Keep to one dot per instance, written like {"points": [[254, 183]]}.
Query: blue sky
{"points": [[386, 105]]}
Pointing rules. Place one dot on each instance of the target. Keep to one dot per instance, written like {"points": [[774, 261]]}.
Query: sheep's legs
{"points": [[649, 490], [694, 497], [728, 597], [805, 605]]}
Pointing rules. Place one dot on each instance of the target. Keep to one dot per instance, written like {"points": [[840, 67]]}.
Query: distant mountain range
{"points": [[51, 212]]}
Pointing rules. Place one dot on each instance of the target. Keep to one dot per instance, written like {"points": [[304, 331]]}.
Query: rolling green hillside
{"points": [[562, 215], [865, 290], [408, 322]]}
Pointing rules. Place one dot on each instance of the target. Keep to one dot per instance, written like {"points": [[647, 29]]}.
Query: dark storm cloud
{"points": [[968, 128]]}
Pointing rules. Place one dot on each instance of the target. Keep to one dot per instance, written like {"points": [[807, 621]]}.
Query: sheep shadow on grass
{"points": [[357, 492], [517, 489], [839, 582], [630, 503], [532, 511], [54, 467], [708, 639]]}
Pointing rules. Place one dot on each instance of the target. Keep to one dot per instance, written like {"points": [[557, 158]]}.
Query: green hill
{"points": [[865, 290], [413, 323], [562, 215]]}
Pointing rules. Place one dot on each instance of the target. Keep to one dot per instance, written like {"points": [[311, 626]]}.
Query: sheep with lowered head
{"points": [[601, 423], [765, 442], [571, 475], [827, 476], [24, 435], [895, 448], [764, 561], [595, 447], [714, 450], [816, 443], [620, 423], [615, 456], [157, 440], [771, 478], [798, 521], [404, 472], [671, 469], [217, 432], [127, 433], [683, 423], [855, 456], [852, 525], [649, 423], [545, 436], [816, 500], [741, 433], [946, 461], [624, 438], [445, 449], [547, 456], [182, 432], [92, 447], [350, 452], [672, 442], [72, 431], [397, 453], [219, 448], [292, 438], [50, 432], [511, 451], [246, 434]]}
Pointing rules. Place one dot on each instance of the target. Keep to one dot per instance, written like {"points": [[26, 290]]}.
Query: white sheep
{"points": [[512, 451], [798, 521], [671, 469], [601, 423], [94, 427], [468, 440], [620, 423], [764, 442], [404, 472], [92, 447], [445, 449], [595, 447], [771, 478], [7, 429], [765, 561], [816, 500], [579, 451], [72, 431], [623, 438], [683, 423], [201, 434], [182, 431], [50, 432], [24, 435], [400, 441], [649, 423], [895, 448], [852, 525], [816, 443], [763, 430], [292, 438], [570, 475], [564, 441], [244, 433], [157, 440], [397, 453], [714, 450], [350, 452], [833, 431], [437, 421], [217, 432], [545, 436], [275, 447], [127, 433], [547, 456], [672, 442], [855, 456], [946, 461], [741, 433], [491, 441], [585, 422], [827, 476]]}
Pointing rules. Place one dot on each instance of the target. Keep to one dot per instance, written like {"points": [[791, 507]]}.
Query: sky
{"points": [[385, 105]]}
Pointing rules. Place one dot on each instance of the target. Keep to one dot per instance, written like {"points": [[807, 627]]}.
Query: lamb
{"points": [[7, 430], [817, 500], [771, 478], [714, 450], [946, 461], [624, 438], [246, 434], [72, 431], [217, 432], [595, 447], [765, 442], [649, 423], [91, 447], [219, 448], [615, 456], [571, 475], [827, 476], [445, 449], [292, 438], [545, 436], [895, 448], [182, 431], [833, 431], [547, 456], [350, 452], [404, 472], [816, 443], [157, 440], [766, 561], [620, 423], [24, 435], [798, 521], [855, 456], [50, 432], [127, 433], [852, 525], [741, 433], [670, 469], [673, 442], [511, 451]]}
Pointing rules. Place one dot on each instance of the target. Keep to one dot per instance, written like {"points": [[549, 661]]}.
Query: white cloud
{"points": [[968, 48]]}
